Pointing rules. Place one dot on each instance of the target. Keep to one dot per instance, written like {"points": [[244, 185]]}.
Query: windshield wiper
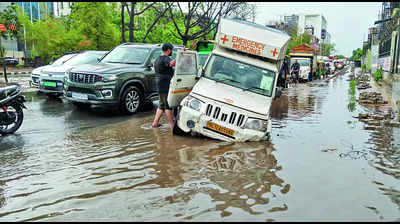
{"points": [[120, 62], [112, 62], [132, 63], [220, 80], [255, 87]]}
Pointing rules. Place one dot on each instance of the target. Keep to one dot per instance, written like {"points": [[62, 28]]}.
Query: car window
{"points": [[155, 55], [158, 52]]}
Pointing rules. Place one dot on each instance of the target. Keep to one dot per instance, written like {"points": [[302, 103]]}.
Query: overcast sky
{"points": [[347, 22]]}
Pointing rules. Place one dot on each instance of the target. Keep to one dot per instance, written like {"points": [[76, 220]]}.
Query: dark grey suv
{"points": [[124, 77]]}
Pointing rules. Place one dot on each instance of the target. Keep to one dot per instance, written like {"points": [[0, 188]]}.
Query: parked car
{"points": [[11, 61], [37, 71], [124, 77], [51, 80]]}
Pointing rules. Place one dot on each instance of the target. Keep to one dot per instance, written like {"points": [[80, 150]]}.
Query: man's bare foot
{"points": [[155, 125]]}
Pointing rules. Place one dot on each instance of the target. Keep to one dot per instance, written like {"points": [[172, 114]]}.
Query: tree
{"points": [[243, 11], [93, 21], [328, 49], [356, 54], [9, 18], [298, 39], [132, 12], [50, 37], [339, 56], [201, 18]]}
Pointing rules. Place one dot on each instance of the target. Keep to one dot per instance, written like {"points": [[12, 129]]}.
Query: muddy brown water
{"points": [[94, 165]]}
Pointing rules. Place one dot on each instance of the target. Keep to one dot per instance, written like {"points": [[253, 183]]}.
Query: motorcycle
{"points": [[11, 105]]}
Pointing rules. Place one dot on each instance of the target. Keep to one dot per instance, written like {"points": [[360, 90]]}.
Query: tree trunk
{"points": [[123, 24], [131, 21], [185, 40]]}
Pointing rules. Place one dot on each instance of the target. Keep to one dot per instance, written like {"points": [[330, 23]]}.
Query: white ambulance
{"points": [[229, 99]]}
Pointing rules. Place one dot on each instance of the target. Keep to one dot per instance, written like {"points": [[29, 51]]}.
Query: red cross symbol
{"points": [[224, 39], [274, 52]]}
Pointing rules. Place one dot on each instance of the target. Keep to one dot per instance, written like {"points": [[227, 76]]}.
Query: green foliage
{"points": [[92, 20], [339, 56], [298, 39], [353, 87], [7, 17], [328, 49], [357, 54], [49, 38], [378, 74], [352, 91]]}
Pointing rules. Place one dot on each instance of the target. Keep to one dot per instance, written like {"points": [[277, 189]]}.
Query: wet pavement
{"points": [[96, 165]]}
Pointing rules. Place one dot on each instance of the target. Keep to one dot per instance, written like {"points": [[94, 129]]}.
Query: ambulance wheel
{"points": [[177, 130]]}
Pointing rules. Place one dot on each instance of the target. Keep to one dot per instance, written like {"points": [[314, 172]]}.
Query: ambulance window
{"points": [[187, 64]]}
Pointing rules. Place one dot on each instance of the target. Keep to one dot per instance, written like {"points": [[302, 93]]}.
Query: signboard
{"points": [[384, 63], [247, 46]]}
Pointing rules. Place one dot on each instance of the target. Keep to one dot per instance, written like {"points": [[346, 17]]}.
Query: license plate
{"points": [[51, 84], [80, 96], [220, 129]]}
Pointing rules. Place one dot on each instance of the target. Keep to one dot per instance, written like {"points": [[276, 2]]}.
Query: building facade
{"points": [[62, 8], [315, 23]]}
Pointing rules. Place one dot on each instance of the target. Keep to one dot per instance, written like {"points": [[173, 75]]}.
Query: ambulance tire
{"points": [[177, 130]]}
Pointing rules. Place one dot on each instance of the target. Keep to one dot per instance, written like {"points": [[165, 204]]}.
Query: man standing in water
{"points": [[163, 67], [295, 69]]}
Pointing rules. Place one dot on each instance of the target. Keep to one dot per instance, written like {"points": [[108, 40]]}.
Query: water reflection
{"points": [[239, 176]]}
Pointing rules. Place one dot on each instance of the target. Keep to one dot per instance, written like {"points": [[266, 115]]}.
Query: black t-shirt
{"points": [[296, 66], [164, 73]]}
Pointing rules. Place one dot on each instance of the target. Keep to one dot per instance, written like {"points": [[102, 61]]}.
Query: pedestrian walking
{"points": [[163, 67]]}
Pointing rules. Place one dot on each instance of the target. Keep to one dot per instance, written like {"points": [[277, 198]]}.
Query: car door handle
{"points": [[178, 80]]}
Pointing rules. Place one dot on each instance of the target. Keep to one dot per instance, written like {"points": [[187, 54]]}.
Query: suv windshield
{"points": [[244, 76], [63, 59], [127, 55], [84, 58]]}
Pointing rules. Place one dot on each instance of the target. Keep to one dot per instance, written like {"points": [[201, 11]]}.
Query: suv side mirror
{"points": [[278, 93], [150, 66]]}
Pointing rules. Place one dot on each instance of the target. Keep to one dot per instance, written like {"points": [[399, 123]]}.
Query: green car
{"points": [[124, 77]]}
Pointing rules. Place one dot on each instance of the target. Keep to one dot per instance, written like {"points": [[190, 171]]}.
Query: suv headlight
{"points": [[256, 124], [109, 78], [193, 103]]}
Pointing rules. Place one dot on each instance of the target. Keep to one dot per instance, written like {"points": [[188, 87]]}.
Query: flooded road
{"points": [[95, 165]]}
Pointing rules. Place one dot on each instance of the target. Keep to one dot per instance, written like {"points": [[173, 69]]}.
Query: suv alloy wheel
{"points": [[131, 101]]}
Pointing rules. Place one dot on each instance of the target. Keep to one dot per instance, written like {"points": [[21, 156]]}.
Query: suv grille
{"points": [[228, 117], [84, 78]]}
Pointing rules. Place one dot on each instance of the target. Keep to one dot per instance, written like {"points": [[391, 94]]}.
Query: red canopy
{"points": [[303, 48]]}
